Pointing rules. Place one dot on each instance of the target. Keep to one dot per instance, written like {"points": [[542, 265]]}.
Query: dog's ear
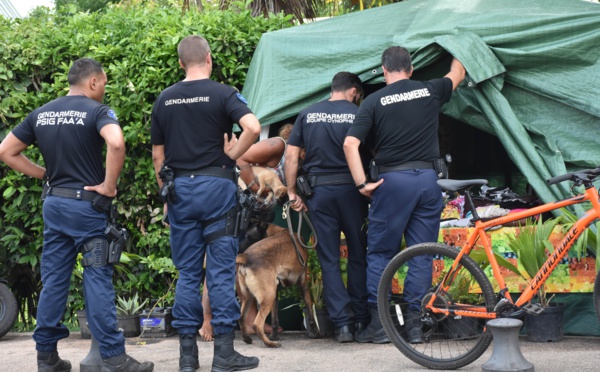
{"points": [[262, 226], [252, 235], [280, 191]]}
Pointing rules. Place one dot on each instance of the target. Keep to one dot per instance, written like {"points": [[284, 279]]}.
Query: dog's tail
{"points": [[241, 259]]}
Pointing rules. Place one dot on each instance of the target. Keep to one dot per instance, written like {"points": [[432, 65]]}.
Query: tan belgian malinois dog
{"points": [[260, 268]]}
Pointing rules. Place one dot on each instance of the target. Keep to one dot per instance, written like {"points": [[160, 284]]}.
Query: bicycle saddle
{"points": [[459, 185]]}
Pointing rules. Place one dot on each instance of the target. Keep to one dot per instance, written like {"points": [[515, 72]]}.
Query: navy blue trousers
{"points": [[407, 203], [68, 224], [334, 209], [201, 198]]}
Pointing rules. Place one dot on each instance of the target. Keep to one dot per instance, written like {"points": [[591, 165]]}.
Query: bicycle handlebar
{"points": [[579, 176], [558, 179]]}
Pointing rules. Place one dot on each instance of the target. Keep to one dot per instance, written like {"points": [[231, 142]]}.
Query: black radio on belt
{"points": [[373, 171], [441, 166], [167, 190], [102, 203], [303, 186]]}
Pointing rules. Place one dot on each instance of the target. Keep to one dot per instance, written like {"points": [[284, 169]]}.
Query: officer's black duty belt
{"points": [[329, 179], [407, 166], [226, 173], [65, 192]]}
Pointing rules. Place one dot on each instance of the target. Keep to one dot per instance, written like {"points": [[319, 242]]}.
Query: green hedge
{"points": [[138, 48]]}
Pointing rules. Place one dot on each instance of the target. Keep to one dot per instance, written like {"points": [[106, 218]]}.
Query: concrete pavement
{"points": [[299, 353]]}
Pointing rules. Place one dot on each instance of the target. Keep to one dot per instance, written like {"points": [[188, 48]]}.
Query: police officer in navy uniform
{"points": [[335, 205], [70, 133], [406, 200], [191, 124]]}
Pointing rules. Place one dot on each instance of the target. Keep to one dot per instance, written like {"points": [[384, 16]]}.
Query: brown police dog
{"points": [[260, 268]]}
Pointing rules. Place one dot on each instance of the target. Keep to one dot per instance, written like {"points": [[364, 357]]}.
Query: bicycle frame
{"points": [[480, 238]]}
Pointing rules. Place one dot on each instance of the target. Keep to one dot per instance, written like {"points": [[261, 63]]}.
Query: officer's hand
{"points": [[165, 218], [370, 187], [298, 205], [229, 144], [102, 189]]}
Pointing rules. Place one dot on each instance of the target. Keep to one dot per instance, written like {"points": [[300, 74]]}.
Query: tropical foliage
{"points": [[130, 306], [74, 6], [532, 248], [137, 47]]}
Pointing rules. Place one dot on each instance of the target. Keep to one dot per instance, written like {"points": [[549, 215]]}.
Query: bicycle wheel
{"points": [[435, 341], [8, 309]]}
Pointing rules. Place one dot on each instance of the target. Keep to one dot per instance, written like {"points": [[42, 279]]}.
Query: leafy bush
{"points": [[138, 49]]}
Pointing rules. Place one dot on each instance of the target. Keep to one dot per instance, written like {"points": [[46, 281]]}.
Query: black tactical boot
{"points": [[188, 353], [359, 327], [125, 363], [51, 362], [374, 332], [413, 331], [226, 359], [343, 334]]}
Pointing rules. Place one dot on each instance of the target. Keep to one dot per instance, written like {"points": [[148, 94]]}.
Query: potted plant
{"points": [[532, 247], [128, 315], [315, 286], [289, 308], [458, 327], [462, 291], [128, 320]]}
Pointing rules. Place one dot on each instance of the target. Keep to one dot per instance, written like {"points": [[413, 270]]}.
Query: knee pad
{"points": [[95, 252]]}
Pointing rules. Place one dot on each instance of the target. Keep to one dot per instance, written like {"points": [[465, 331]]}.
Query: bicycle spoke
{"points": [[435, 340]]}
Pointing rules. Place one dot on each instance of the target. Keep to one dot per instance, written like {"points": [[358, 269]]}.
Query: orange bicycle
{"points": [[442, 324]]}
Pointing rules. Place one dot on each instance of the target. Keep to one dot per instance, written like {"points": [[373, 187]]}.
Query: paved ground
{"points": [[298, 353]]}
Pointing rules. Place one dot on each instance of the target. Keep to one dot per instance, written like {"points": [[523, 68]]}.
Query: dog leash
{"points": [[287, 216]]}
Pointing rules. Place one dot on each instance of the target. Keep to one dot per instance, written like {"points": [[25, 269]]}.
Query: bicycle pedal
{"points": [[533, 309]]}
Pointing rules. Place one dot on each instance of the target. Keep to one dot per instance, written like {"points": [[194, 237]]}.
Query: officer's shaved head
{"points": [[193, 51], [396, 59], [82, 69]]}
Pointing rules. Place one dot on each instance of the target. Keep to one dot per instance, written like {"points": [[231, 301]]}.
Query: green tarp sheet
{"points": [[533, 71]]}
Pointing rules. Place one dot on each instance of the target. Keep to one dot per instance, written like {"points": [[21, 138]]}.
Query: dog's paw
{"points": [[273, 344], [247, 339], [274, 337]]}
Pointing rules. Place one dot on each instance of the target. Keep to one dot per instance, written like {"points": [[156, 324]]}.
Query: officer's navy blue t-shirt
{"points": [[321, 130], [190, 119], [67, 131], [404, 119]]}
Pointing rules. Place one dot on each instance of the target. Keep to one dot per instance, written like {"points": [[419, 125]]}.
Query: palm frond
{"points": [[301, 10]]}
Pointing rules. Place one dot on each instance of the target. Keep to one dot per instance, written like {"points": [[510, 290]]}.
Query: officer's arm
{"points": [[267, 152], [11, 153], [115, 157], [251, 130], [351, 145], [291, 172], [158, 158], [457, 73]]}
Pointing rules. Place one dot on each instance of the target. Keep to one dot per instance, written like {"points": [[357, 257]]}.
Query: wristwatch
{"points": [[362, 185]]}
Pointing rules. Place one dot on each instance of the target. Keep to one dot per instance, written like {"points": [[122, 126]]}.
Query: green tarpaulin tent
{"points": [[533, 71]]}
